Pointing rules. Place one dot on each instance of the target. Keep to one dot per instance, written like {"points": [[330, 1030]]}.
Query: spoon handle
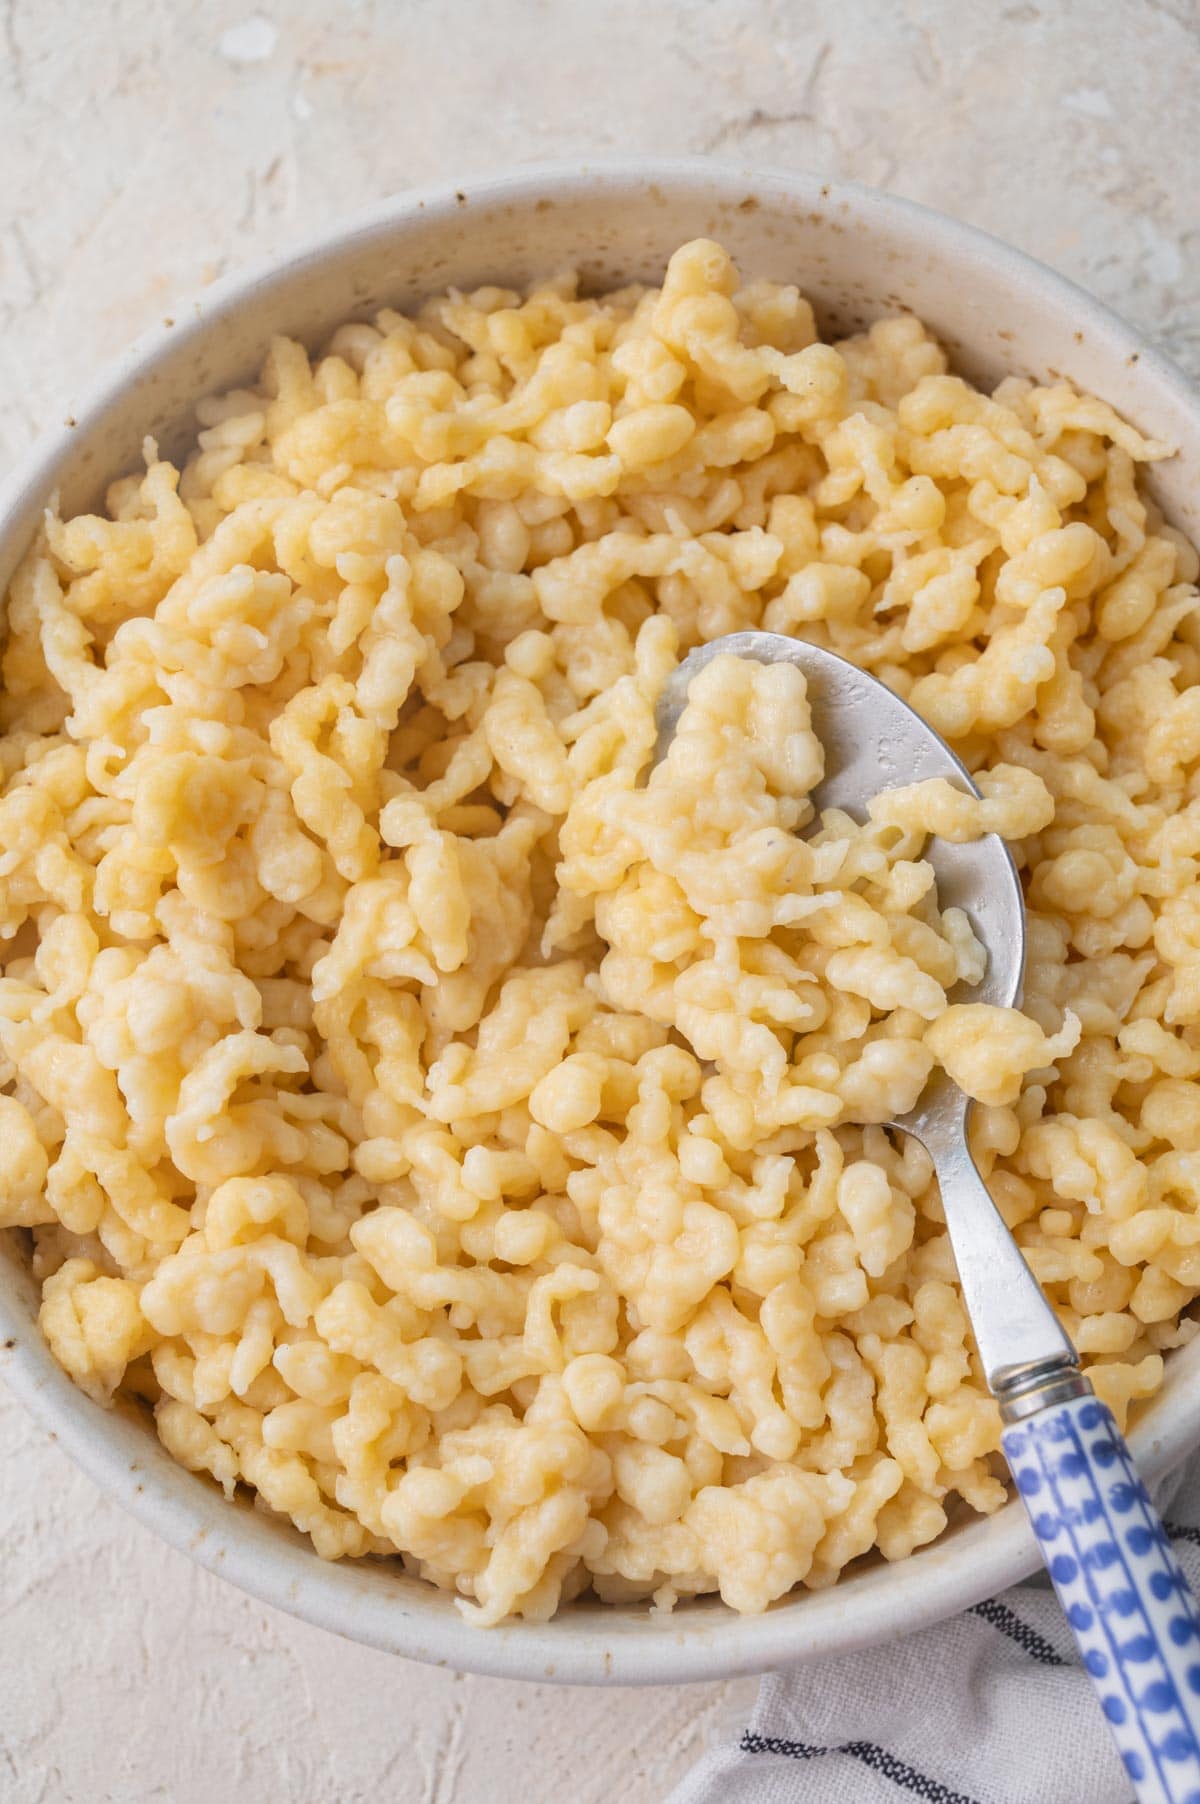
{"points": [[1120, 1586]]}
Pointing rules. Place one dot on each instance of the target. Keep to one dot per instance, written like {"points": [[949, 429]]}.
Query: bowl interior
{"points": [[857, 255]]}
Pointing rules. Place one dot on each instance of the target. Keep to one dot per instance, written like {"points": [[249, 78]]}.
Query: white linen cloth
{"points": [[991, 1707]]}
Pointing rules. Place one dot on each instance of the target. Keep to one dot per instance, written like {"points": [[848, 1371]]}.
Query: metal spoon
{"points": [[1124, 1594]]}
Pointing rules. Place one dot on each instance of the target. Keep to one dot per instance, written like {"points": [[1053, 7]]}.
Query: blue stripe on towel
{"points": [[878, 1759], [992, 1611]]}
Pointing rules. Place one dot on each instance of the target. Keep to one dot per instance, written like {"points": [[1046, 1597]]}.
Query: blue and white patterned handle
{"points": [[1123, 1590]]}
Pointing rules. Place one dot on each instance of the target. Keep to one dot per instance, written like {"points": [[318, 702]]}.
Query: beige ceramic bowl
{"points": [[858, 255]]}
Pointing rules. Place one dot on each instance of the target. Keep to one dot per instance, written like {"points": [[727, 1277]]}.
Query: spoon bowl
{"points": [[873, 741]]}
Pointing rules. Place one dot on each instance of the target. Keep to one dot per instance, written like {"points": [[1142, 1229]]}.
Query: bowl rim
{"points": [[605, 1645]]}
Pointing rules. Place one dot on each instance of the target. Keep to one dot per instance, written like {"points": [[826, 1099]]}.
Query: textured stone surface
{"points": [[147, 146]]}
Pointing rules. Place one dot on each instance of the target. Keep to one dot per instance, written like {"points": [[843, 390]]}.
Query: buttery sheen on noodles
{"points": [[473, 1147]]}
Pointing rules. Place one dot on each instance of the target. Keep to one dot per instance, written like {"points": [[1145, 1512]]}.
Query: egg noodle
{"points": [[470, 1140]]}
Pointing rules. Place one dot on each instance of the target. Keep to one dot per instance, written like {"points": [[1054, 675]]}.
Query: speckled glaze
{"points": [[857, 254]]}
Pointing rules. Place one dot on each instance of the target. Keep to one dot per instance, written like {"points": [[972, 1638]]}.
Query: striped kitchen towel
{"points": [[991, 1707]]}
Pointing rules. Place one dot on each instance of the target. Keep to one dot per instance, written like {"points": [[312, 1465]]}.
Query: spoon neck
{"points": [[1027, 1357]]}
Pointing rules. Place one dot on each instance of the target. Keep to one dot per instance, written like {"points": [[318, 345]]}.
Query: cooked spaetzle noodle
{"points": [[470, 1140]]}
